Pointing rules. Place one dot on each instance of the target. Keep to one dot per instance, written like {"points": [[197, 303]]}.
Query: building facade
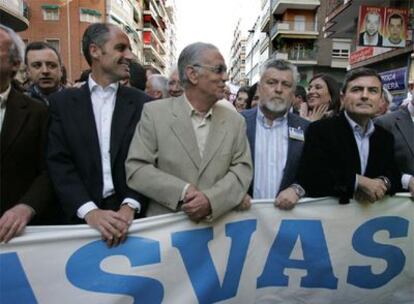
{"points": [[396, 65], [237, 69], [63, 22]]}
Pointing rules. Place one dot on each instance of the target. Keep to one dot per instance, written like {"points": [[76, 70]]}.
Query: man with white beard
{"points": [[276, 136]]}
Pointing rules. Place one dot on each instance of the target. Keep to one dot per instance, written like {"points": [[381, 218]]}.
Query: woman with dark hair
{"points": [[323, 99], [240, 103], [253, 99]]}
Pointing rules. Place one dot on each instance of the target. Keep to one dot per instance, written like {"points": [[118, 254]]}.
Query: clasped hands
{"points": [[370, 189], [113, 225]]}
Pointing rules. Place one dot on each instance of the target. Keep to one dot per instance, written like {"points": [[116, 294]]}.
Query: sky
{"points": [[213, 21]]}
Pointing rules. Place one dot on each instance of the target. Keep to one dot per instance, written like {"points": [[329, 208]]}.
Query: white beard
{"points": [[276, 107]]}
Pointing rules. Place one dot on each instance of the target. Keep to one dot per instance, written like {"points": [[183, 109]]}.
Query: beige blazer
{"points": [[164, 157]]}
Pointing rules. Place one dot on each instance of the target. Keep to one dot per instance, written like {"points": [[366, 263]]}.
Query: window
{"points": [[341, 48], [340, 53], [50, 12], [55, 43], [90, 15], [299, 23]]}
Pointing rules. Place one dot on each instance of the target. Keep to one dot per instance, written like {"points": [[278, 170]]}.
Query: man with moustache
{"points": [[89, 135], [44, 70], [188, 153], [276, 135]]}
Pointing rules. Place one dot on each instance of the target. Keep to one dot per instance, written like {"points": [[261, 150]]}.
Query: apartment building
{"points": [[237, 68], [63, 22]]}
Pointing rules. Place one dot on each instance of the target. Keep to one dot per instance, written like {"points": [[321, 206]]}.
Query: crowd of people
{"points": [[125, 143]]}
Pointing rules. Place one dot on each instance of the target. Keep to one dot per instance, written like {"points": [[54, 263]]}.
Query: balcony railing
{"points": [[301, 55], [293, 27]]}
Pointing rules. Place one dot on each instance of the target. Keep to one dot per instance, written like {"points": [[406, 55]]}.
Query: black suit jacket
{"points": [[73, 153], [294, 146], [361, 40], [23, 176], [330, 159]]}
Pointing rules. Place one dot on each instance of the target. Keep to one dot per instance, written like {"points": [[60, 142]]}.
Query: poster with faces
{"points": [[382, 27]]}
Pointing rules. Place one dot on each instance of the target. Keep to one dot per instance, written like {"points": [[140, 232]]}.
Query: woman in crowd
{"points": [[240, 103], [323, 98]]}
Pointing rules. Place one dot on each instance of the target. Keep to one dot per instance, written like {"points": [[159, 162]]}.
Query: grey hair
{"points": [[190, 55], [387, 95], [159, 83], [16, 51], [281, 65]]}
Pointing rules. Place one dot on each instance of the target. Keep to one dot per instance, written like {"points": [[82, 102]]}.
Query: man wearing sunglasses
{"points": [[188, 153]]}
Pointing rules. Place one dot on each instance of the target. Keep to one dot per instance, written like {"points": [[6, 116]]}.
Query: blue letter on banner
{"points": [[315, 252], [14, 287], [363, 242], [83, 269], [193, 247]]}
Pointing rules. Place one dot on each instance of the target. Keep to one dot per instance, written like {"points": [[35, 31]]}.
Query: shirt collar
{"points": [[193, 111], [357, 128], [262, 119], [93, 85], [4, 96]]}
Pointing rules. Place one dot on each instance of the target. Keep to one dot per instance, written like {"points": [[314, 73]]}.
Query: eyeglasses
{"points": [[218, 69]]}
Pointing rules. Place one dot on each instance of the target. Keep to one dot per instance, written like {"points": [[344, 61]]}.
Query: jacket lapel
{"points": [[351, 151], [294, 145], [123, 113], [183, 129], [14, 120], [85, 120], [215, 137], [405, 125], [251, 129]]}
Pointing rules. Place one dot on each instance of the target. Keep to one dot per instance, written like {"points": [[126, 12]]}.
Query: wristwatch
{"points": [[386, 181], [300, 192]]}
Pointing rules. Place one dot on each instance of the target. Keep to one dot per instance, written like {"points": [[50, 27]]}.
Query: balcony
{"points": [[295, 30], [11, 14], [280, 6], [298, 56], [265, 17]]}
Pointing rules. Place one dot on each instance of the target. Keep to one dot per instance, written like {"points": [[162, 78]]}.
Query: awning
{"points": [[50, 6], [90, 12]]}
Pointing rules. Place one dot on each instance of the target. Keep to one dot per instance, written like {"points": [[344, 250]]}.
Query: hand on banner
{"points": [[13, 221], [112, 225], [286, 199], [245, 204], [370, 189], [196, 205], [127, 213]]}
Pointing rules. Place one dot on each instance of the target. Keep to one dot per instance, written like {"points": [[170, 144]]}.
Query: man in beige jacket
{"points": [[188, 153]]}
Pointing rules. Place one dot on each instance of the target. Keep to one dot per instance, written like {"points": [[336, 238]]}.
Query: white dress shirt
{"points": [[103, 104], [271, 148], [362, 140]]}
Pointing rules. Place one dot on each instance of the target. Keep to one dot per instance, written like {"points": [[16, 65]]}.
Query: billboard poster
{"points": [[382, 27], [395, 27]]}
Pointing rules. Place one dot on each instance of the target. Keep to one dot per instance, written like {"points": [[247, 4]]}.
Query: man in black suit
{"points": [[371, 35], [89, 136], [26, 194], [348, 156]]}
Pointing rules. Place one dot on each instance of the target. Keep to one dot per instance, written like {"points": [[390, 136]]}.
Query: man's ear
{"points": [[192, 74], [94, 50]]}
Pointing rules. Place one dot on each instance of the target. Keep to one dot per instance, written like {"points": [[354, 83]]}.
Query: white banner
{"points": [[319, 252]]}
